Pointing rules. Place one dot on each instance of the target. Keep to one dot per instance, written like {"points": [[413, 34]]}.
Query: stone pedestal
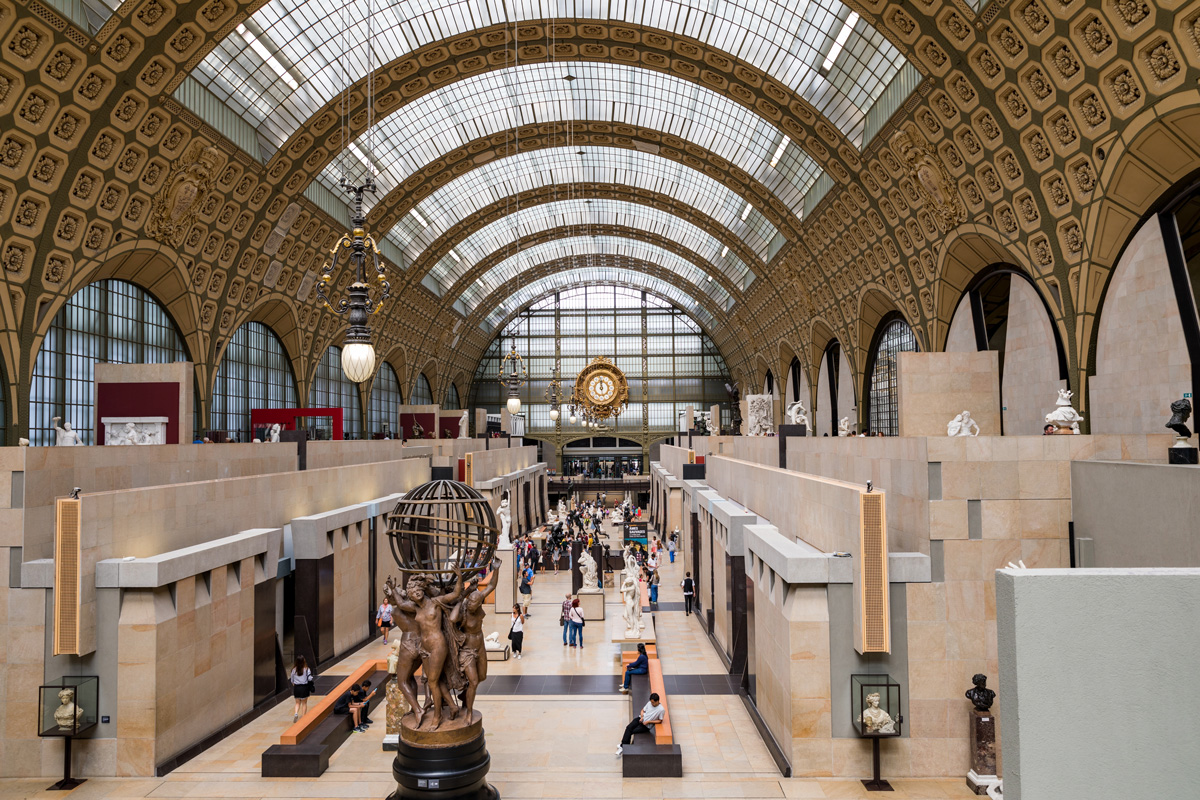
{"points": [[592, 605], [397, 707], [983, 751], [1183, 455], [506, 581]]}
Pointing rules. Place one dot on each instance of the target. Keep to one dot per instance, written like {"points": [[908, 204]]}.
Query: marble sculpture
{"points": [[631, 595], [797, 414], [68, 715], [505, 515], [273, 435], [874, 718], [844, 426], [962, 425], [462, 426], [66, 436], [759, 406], [1064, 415], [587, 568]]}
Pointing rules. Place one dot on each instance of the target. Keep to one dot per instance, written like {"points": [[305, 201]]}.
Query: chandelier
{"points": [[554, 396], [358, 354], [513, 374]]}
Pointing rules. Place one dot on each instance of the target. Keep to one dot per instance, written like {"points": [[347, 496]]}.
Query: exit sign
{"points": [[1187, 394]]}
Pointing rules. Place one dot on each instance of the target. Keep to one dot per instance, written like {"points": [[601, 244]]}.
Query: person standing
{"points": [[526, 588], [383, 618], [516, 631], [575, 621], [652, 714], [653, 579], [689, 592], [564, 618], [302, 683]]}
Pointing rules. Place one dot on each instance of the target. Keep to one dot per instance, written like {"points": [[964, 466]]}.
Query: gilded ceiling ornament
{"points": [[1035, 16], [1096, 35], [1016, 106], [1057, 190], [12, 152], [25, 42], [1162, 61], [988, 64], [957, 27], [1092, 109], [1085, 177], [1009, 41], [60, 65], [970, 142], [1064, 61], [1038, 84], [1132, 11], [1125, 88], [174, 208], [1063, 131]]}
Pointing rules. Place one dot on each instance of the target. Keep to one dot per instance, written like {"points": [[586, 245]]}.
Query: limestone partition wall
{"points": [[345, 452], [1030, 380], [488, 464], [35, 476], [181, 373], [756, 449], [666, 497], [1142, 360], [933, 388]]}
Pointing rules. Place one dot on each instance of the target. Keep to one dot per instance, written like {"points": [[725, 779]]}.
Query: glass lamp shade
{"points": [[358, 361], [572, 419], [514, 405], [554, 415]]}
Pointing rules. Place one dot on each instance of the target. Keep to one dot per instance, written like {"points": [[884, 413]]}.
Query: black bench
{"points": [[310, 758], [645, 758]]}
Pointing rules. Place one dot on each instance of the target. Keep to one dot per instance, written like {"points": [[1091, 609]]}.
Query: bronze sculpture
{"points": [[979, 694]]}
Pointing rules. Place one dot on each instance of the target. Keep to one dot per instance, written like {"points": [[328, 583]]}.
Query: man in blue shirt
{"points": [[640, 666]]}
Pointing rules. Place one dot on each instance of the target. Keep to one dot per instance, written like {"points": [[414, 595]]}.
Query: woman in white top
{"points": [[383, 618], [301, 678], [516, 633]]}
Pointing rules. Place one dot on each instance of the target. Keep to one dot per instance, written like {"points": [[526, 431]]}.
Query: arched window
{"points": [[110, 321], [452, 401], [795, 374], [383, 409], [332, 389], [891, 338], [254, 373], [422, 395], [769, 383]]}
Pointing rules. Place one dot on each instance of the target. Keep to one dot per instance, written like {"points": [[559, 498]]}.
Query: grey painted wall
{"points": [[1097, 683], [845, 661], [1137, 515]]}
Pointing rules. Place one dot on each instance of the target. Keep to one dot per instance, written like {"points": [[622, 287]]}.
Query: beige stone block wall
{"points": [[22, 642], [1142, 362], [673, 458], [1031, 381], [490, 464], [721, 599], [961, 338], [755, 449], [178, 372], [326, 454], [935, 387], [185, 665], [352, 585]]}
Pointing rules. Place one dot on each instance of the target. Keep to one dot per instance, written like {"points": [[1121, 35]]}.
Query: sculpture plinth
{"points": [[983, 751], [444, 772], [459, 730]]}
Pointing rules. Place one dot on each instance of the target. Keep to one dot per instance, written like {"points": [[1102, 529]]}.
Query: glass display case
{"points": [[69, 707], [875, 705]]}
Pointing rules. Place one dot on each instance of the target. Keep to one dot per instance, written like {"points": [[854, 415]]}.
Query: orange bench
{"points": [[662, 731], [302, 727], [629, 656]]}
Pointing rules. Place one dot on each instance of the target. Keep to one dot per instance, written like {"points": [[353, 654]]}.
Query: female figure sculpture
{"points": [[874, 718]]}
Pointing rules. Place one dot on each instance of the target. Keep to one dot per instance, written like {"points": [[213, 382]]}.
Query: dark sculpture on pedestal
{"points": [[979, 694], [735, 403], [1180, 411], [443, 537], [982, 737]]}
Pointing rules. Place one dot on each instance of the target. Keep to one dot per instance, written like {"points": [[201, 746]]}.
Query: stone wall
{"points": [[1142, 361], [343, 453], [1030, 380], [933, 388], [489, 464]]}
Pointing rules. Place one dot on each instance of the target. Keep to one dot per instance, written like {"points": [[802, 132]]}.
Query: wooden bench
{"points": [[305, 747], [661, 757], [629, 656]]}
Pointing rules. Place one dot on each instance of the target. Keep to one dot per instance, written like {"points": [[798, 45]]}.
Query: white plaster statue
{"points": [[492, 641], [273, 435], [1064, 415], [874, 718], [394, 655], [631, 595], [962, 425], [759, 406], [505, 515], [66, 436], [68, 715], [797, 414], [844, 426], [617, 517], [23, 442], [587, 568], [462, 426], [562, 508]]}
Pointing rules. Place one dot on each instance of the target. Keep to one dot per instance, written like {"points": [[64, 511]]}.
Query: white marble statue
{"points": [[587, 568], [962, 425], [618, 518], [1064, 415], [759, 406], [797, 414], [631, 596], [844, 426], [23, 442], [874, 718], [273, 434], [562, 508], [68, 715], [462, 426], [66, 436], [134, 430], [505, 516], [492, 641]]}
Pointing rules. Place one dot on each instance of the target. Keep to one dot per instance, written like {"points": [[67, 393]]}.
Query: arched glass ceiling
{"points": [[595, 276], [524, 172], [600, 211], [581, 247], [289, 58], [428, 128]]}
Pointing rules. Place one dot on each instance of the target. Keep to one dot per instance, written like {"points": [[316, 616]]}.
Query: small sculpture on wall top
{"points": [[979, 694], [735, 407], [962, 425], [797, 414], [760, 414], [844, 426], [273, 436], [66, 436], [1064, 416], [1181, 410]]}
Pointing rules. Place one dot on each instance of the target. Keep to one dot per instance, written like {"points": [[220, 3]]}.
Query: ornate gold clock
{"points": [[601, 388]]}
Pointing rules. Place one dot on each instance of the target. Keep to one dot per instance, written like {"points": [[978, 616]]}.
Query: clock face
{"points": [[601, 389]]}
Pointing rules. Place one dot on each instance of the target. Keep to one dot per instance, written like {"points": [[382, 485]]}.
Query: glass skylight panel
{"points": [[425, 130], [592, 277], [581, 247], [506, 231], [787, 39], [561, 166]]}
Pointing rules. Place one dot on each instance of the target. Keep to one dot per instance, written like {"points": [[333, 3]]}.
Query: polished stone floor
{"points": [[543, 745]]}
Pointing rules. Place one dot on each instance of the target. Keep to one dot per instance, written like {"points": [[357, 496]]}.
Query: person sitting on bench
{"points": [[652, 714], [640, 666], [352, 702]]}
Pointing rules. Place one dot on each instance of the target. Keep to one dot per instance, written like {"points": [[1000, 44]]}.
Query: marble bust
{"points": [[874, 718], [66, 436], [67, 715], [273, 436], [979, 694], [1180, 411]]}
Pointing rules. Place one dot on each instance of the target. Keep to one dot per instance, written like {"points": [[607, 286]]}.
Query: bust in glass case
{"points": [[874, 718], [67, 715]]}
